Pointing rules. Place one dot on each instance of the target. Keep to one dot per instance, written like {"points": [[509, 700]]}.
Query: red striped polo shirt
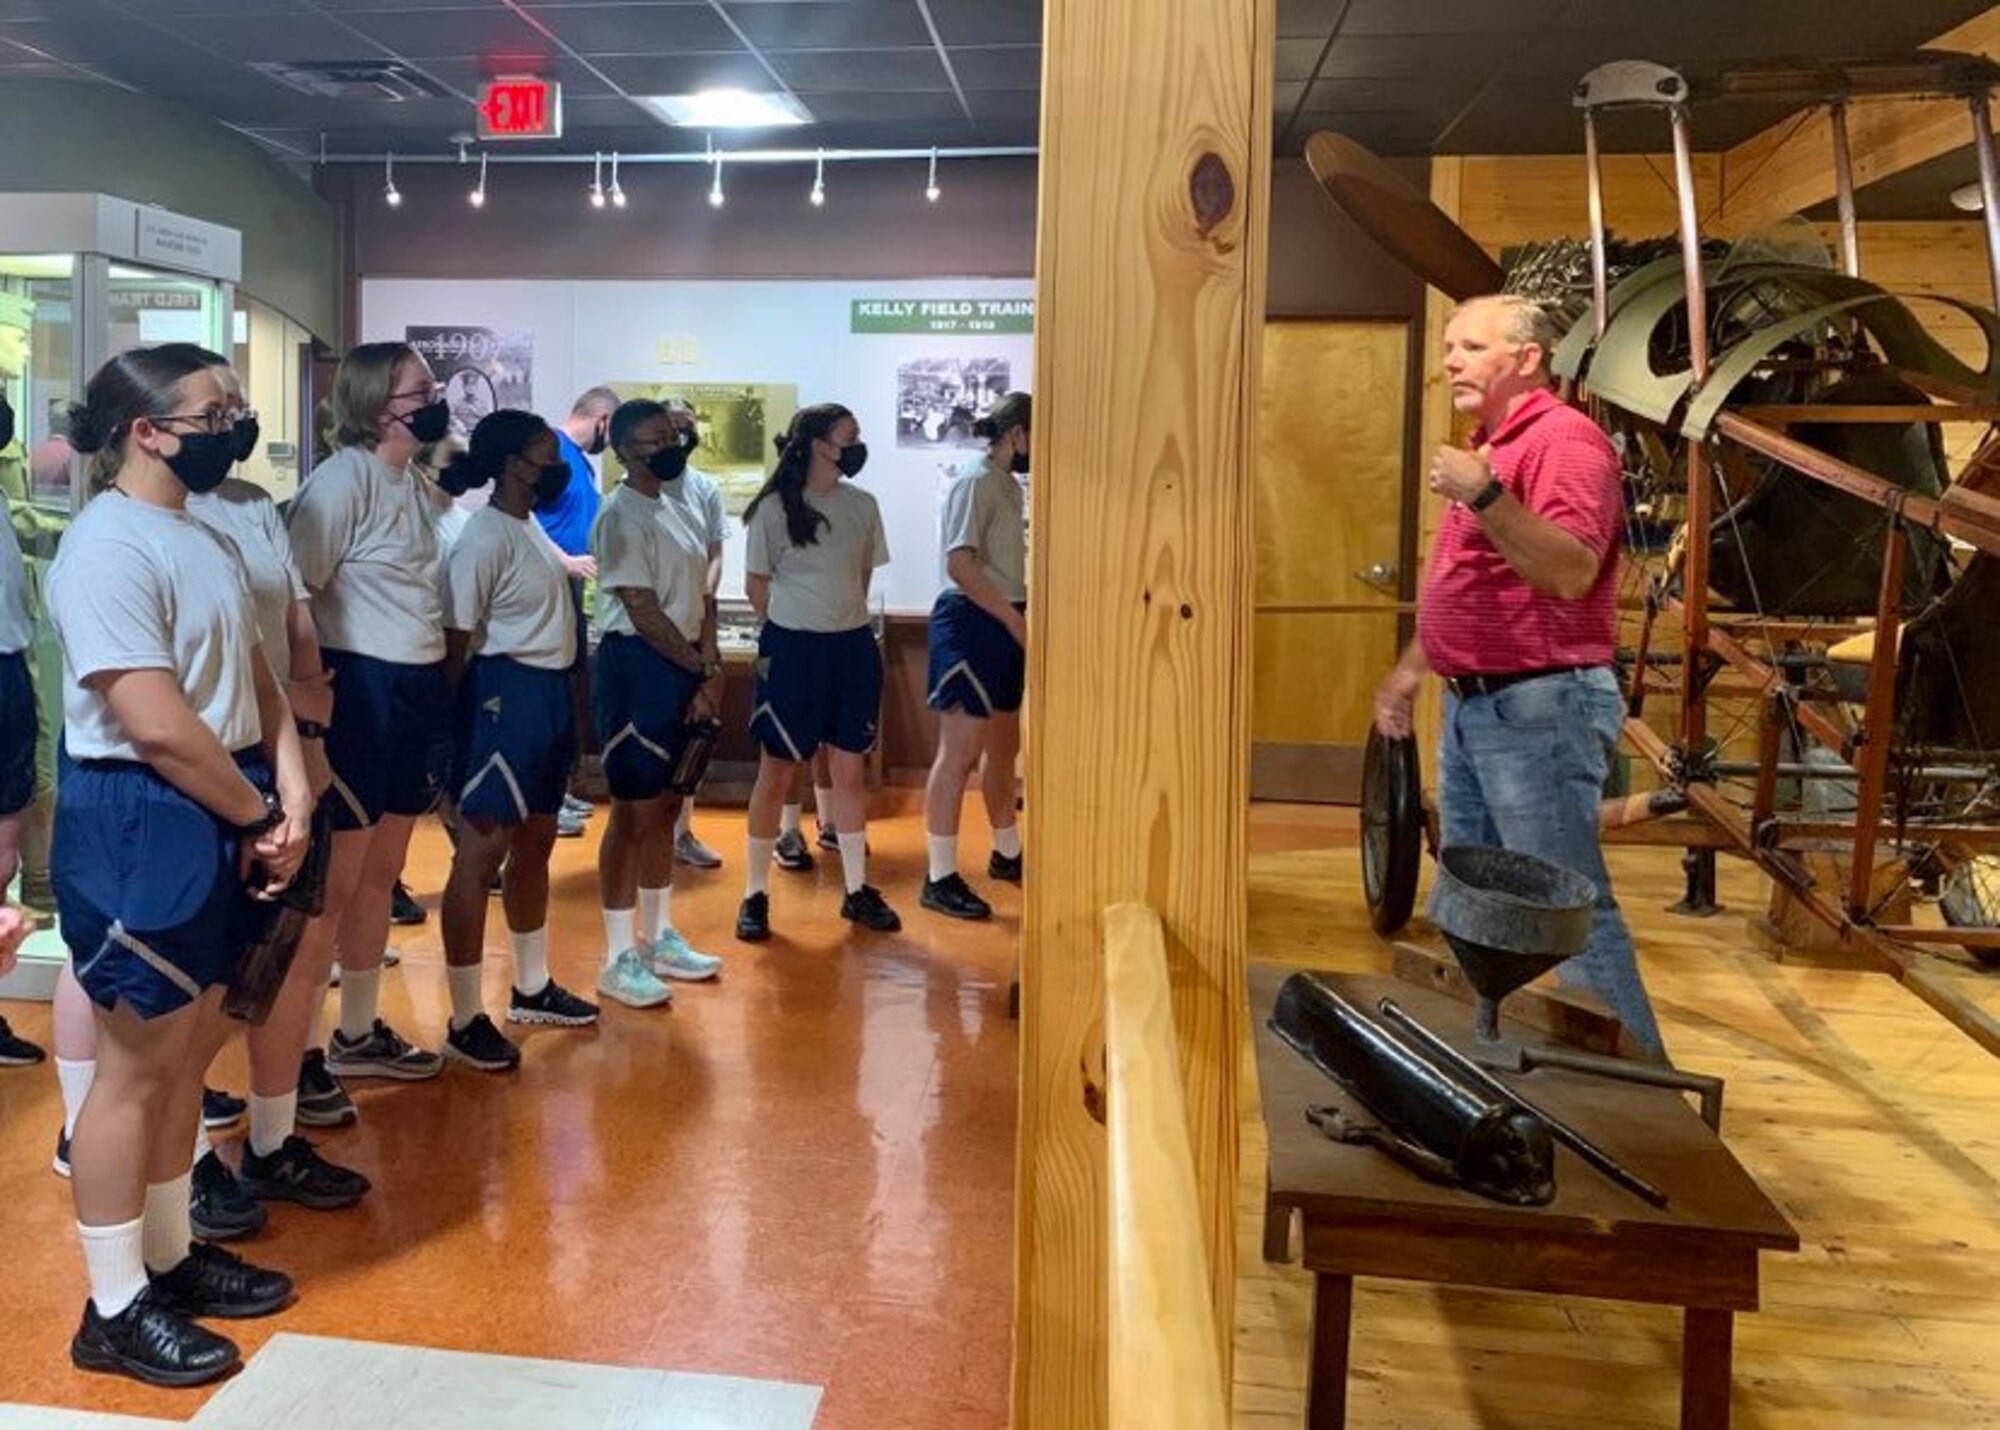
{"points": [[1475, 613]]}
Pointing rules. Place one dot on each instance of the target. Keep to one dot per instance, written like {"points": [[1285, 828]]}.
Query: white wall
{"points": [[588, 332]]}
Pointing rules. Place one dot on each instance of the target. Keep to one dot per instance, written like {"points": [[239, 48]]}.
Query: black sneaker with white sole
{"points": [[554, 1005], [152, 1343], [323, 1102], [59, 1164], [1001, 867], [753, 918], [404, 908], [221, 1109], [829, 838], [382, 1053], [791, 853], [218, 1207], [297, 1173], [220, 1284], [865, 906], [953, 897], [17, 1052], [481, 1045]]}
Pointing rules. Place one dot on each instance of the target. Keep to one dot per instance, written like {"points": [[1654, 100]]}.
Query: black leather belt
{"points": [[1468, 685]]}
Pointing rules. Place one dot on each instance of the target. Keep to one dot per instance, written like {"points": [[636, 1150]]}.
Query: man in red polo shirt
{"points": [[1518, 615]]}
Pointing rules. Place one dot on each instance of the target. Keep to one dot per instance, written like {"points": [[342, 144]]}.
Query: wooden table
{"points": [[1362, 1214]]}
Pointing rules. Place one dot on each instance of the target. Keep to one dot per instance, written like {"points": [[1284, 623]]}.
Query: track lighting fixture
{"points": [[477, 198], [932, 193], [597, 181], [818, 194], [391, 195], [715, 198], [617, 189]]}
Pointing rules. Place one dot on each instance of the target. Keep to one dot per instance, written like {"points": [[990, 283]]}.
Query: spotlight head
{"points": [[617, 197], [818, 196], [393, 197], [477, 198], [933, 194]]}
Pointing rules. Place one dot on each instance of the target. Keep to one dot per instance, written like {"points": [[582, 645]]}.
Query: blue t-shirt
{"points": [[568, 522]]}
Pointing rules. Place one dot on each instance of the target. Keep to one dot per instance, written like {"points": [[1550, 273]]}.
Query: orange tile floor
{"points": [[804, 1172]]}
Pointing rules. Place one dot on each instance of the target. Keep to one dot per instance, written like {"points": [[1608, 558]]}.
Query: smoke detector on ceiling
{"points": [[378, 79]]}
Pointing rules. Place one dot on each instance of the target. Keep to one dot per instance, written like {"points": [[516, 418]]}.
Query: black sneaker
{"points": [[221, 1285], [481, 1045], [865, 906], [218, 1206], [554, 1004], [404, 908], [753, 918], [17, 1052], [953, 897], [221, 1109], [297, 1173], [148, 1342], [59, 1163], [791, 853], [323, 1102], [829, 838], [1000, 867], [382, 1053]]}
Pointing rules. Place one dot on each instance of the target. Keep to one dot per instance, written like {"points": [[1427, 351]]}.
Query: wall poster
{"points": [[482, 370], [739, 422]]}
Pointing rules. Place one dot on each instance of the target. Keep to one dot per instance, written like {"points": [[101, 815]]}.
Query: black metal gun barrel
{"points": [[1465, 1067]]}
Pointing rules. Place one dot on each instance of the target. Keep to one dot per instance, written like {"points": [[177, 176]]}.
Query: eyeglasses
{"points": [[213, 423]]}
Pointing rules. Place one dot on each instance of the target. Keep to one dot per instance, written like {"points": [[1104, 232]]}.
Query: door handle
{"points": [[1381, 575]]}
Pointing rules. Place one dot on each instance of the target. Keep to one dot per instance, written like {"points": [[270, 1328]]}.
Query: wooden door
{"points": [[1333, 566]]}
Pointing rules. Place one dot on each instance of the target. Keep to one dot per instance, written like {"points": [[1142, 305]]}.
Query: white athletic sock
{"points": [[202, 1146], [757, 876], [117, 1264], [360, 1002], [74, 1079], [272, 1120], [1007, 841], [854, 859], [167, 1231], [944, 856], [466, 1000], [655, 913], [618, 934], [684, 821], [788, 818], [531, 959], [823, 807]]}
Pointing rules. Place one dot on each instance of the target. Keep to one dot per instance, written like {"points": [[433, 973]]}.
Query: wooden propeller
{"points": [[1412, 228]]}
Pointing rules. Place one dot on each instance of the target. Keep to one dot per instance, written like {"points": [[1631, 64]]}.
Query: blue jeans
{"points": [[1524, 769]]}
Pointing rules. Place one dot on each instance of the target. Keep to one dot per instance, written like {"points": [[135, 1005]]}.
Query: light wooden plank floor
{"points": [[1866, 1117]]}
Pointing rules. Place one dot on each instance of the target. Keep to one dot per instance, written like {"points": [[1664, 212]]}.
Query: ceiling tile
{"points": [[683, 74], [997, 66], [441, 34], [1004, 103], [1410, 57], [988, 22], [1521, 18], [831, 24], [1298, 18], [862, 69], [577, 79], [1297, 58], [925, 105], [637, 29]]}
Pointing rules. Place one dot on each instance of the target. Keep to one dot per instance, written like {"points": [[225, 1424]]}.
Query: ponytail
{"points": [[788, 479]]}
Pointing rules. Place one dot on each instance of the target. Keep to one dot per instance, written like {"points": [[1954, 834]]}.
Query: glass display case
{"points": [[82, 276]]}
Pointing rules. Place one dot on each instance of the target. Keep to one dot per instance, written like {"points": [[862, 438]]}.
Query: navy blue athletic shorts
{"points": [[814, 688], [516, 739], [975, 665], [18, 728], [146, 885], [390, 743], [639, 702]]}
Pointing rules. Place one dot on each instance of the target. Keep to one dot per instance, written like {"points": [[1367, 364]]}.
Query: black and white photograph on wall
{"points": [[737, 422], [482, 370], [939, 398]]}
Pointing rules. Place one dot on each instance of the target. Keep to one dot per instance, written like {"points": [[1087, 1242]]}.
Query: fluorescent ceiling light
{"points": [[727, 109]]}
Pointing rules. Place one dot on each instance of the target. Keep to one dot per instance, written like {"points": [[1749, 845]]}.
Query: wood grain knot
{"points": [[1212, 191], [1187, 612]]}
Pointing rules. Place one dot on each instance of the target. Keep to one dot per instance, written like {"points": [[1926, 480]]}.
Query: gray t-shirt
{"points": [[140, 587], [697, 494], [984, 513], [646, 544], [822, 586], [17, 611], [364, 538], [506, 585], [243, 514]]}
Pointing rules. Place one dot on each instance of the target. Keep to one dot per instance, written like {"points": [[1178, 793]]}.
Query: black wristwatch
{"points": [[310, 729], [274, 815], [1488, 494]]}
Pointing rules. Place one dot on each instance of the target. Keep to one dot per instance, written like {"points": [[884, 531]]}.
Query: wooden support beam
{"points": [[1155, 185], [1788, 168]]}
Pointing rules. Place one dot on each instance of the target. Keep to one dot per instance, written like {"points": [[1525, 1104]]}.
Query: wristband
{"points": [[311, 730], [1488, 494], [274, 815]]}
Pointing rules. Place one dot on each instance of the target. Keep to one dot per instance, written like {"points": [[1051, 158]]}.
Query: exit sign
{"points": [[520, 107]]}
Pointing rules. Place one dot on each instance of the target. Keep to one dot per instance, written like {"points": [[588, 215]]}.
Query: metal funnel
{"points": [[1509, 918]]}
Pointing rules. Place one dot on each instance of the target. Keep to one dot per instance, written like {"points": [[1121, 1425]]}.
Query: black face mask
{"points": [[551, 483], [853, 457], [668, 463], [600, 441], [1019, 466], [428, 423], [6, 420], [246, 434], [203, 460]]}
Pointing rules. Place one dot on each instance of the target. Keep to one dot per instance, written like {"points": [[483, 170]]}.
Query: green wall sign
{"points": [[971, 316]]}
